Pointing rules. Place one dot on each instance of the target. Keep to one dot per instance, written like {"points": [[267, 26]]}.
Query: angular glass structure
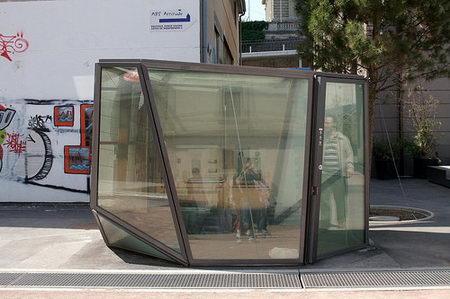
{"points": [[222, 165]]}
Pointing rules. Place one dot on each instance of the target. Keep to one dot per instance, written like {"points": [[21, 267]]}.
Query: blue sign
{"points": [[176, 20]]}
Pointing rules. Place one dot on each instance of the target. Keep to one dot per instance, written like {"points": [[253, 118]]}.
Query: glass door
{"points": [[338, 193]]}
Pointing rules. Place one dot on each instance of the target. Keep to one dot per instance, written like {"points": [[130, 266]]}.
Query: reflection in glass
{"points": [[130, 179], [341, 221], [236, 147], [117, 237]]}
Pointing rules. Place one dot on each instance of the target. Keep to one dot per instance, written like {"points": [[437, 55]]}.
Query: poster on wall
{"points": [[171, 20]]}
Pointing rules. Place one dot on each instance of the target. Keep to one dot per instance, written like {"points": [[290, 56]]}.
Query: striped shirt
{"points": [[330, 161]]}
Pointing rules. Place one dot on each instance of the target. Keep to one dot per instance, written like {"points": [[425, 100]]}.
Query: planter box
{"points": [[421, 165], [386, 169]]}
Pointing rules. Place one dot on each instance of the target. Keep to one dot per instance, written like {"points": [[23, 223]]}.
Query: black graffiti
{"points": [[56, 187], [48, 161], [53, 102], [38, 122], [29, 138]]}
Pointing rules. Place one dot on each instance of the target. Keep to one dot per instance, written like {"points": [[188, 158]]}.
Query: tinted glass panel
{"points": [[236, 146], [130, 176], [341, 222], [117, 237]]}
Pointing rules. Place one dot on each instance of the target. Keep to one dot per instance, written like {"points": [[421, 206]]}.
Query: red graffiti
{"points": [[12, 44], [14, 144]]}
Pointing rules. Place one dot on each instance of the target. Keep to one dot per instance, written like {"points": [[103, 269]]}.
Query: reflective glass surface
{"points": [[117, 237], [130, 172], [341, 221], [236, 146]]}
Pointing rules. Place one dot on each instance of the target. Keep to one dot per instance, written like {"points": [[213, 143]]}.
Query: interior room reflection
{"points": [[236, 146]]}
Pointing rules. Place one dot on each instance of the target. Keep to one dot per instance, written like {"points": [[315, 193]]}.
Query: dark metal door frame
{"points": [[317, 135]]}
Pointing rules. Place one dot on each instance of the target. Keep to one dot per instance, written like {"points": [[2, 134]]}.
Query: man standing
{"points": [[337, 167]]}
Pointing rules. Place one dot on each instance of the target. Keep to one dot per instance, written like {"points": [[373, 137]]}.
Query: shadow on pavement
{"points": [[47, 215]]}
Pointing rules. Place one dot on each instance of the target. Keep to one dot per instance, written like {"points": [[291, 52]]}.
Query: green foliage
{"points": [[383, 151], [253, 30], [422, 110], [408, 36], [391, 42]]}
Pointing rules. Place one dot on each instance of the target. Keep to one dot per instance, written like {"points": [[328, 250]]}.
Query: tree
{"points": [[422, 110], [390, 41], [253, 30]]}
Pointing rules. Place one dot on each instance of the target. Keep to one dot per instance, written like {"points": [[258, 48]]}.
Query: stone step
{"points": [[439, 175]]}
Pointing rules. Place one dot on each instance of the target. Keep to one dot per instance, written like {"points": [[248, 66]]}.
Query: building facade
{"points": [[280, 10], [48, 51], [279, 47]]}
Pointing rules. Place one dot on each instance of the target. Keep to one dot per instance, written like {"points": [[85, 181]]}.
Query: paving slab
{"points": [[45, 237], [65, 236]]}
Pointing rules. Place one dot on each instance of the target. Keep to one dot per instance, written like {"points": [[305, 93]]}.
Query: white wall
{"points": [[67, 37], [51, 49]]}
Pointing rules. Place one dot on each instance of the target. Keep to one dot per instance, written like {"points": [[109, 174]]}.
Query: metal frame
{"points": [[181, 258], [307, 231], [225, 69], [315, 190], [169, 181]]}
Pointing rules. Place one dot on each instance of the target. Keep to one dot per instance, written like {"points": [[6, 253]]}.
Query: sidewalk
{"points": [[65, 238], [60, 237], [408, 245]]}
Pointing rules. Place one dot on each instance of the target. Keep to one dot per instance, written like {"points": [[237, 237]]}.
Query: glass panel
{"points": [[236, 145], [341, 222], [130, 179], [117, 237]]}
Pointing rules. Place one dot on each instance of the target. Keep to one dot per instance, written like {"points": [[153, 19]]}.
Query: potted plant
{"points": [[386, 158], [422, 112]]}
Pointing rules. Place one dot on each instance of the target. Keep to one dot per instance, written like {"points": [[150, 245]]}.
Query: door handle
{"points": [[320, 136], [315, 190]]}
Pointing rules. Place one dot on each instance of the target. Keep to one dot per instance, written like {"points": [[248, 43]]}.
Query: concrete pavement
{"points": [[414, 244], [44, 237], [47, 237]]}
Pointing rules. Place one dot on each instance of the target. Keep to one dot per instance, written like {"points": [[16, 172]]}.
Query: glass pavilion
{"points": [[223, 165]]}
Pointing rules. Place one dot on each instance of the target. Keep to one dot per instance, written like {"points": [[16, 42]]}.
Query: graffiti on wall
{"points": [[6, 117], [77, 158], [35, 143], [87, 114], [15, 143], [39, 122], [12, 44], [64, 116]]}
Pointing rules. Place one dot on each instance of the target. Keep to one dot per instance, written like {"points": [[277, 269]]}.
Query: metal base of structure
{"points": [[377, 279], [153, 280], [292, 280]]}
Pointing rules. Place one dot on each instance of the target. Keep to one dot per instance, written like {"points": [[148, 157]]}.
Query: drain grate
{"points": [[100, 280], [349, 279], [8, 278], [422, 278]]}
